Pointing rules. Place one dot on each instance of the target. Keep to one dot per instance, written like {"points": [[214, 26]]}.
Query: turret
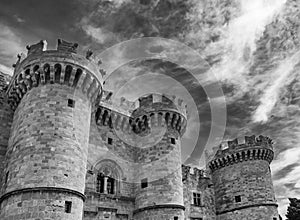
{"points": [[242, 179], [144, 136], [159, 121], [52, 93]]}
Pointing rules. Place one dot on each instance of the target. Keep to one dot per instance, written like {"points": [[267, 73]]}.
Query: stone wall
{"points": [[160, 214], [115, 206], [106, 206], [159, 126], [48, 143], [41, 205], [100, 150], [163, 173], [6, 115], [196, 182], [251, 180], [258, 212]]}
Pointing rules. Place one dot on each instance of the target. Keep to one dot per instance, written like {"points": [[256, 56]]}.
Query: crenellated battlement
{"points": [[140, 115], [122, 106], [193, 173], [152, 102], [169, 110], [61, 66], [243, 149]]}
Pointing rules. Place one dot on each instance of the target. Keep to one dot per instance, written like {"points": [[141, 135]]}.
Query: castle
{"points": [[68, 152]]}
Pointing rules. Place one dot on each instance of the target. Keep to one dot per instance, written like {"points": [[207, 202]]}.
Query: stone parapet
{"points": [[61, 66], [193, 173], [235, 151], [138, 116]]}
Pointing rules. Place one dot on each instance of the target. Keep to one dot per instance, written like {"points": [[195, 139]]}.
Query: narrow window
{"points": [[173, 141], [144, 183], [6, 176], [238, 199], [197, 199], [274, 218], [175, 217], [68, 206], [110, 185], [71, 103], [100, 183], [109, 141]]}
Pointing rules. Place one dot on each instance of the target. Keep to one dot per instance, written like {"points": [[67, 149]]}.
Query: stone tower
{"points": [[161, 120], [143, 153], [6, 115], [242, 181], [52, 93]]}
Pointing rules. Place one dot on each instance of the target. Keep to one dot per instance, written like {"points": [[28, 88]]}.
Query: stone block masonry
{"points": [[68, 152], [47, 150], [242, 180], [43, 204], [6, 116], [48, 144]]}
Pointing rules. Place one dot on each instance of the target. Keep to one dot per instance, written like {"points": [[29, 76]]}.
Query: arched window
{"points": [[109, 175], [105, 184]]}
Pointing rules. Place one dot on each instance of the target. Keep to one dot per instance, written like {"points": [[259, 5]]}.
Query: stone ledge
{"points": [[40, 189], [247, 206], [163, 206], [109, 196]]}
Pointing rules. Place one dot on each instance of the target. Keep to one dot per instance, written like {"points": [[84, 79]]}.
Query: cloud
{"points": [[278, 79], [99, 34], [5, 69], [10, 46], [19, 19], [283, 172], [237, 40]]}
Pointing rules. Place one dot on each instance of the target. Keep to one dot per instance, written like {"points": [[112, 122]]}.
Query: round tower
{"points": [[242, 180], [6, 115], [52, 93], [159, 121]]}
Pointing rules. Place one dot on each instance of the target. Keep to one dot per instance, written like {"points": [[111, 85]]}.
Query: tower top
{"points": [[161, 102], [239, 150], [65, 51], [244, 143], [164, 109], [62, 66], [146, 103]]}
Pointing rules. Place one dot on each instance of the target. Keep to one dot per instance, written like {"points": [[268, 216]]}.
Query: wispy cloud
{"points": [[19, 19], [10, 46], [234, 49], [5, 69], [99, 34], [279, 78], [240, 38]]}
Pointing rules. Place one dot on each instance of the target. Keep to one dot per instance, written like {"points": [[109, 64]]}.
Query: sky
{"points": [[249, 49]]}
